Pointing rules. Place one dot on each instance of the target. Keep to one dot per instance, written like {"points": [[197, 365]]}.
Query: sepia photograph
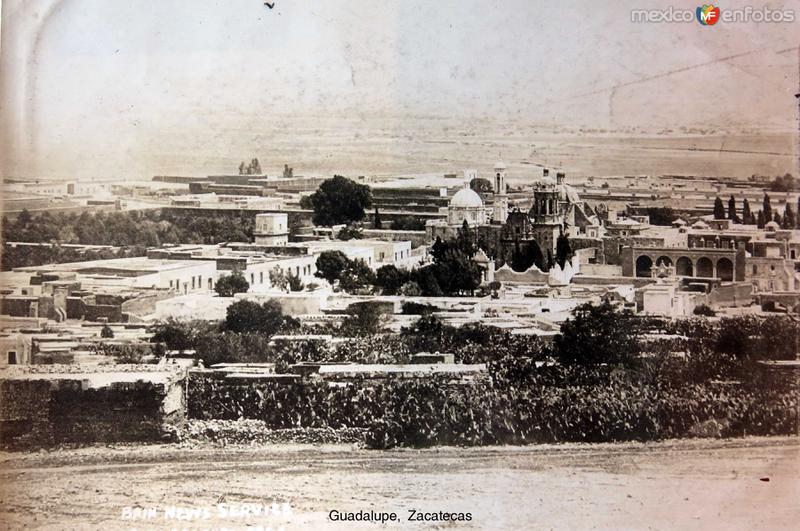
{"points": [[399, 264]]}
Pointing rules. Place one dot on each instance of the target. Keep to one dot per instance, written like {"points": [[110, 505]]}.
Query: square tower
{"points": [[272, 229]]}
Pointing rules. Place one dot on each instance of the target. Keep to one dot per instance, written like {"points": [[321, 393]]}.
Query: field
{"points": [[750, 483], [356, 145]]}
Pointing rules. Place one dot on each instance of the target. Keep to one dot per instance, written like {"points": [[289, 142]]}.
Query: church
{"points": [[509, 235]]}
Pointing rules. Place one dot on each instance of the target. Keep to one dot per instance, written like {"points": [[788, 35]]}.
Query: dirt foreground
{"points": [[751, 483]]}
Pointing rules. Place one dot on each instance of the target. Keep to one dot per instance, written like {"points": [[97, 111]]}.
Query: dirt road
{"points": [[671, 485]]}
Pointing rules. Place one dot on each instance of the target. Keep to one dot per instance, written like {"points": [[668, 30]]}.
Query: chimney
{"points": [[560, 177]]}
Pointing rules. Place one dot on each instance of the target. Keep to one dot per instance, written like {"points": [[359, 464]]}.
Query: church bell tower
{"points": [[500, 208]]}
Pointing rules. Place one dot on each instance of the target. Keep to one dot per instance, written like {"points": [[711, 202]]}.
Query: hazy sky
{"points": [[96, 86]]}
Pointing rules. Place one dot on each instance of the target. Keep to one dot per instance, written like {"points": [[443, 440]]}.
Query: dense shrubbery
{"points": [[550, 404], [134, 231], [643, 392], [21, 256]]}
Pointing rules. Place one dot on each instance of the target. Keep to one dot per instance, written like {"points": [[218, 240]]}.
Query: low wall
{"points": [[42, 410], [601, 270], [733, 294]]}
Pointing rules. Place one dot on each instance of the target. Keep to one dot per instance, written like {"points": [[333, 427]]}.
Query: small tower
{"points": [[271, 229], [500, 208], [545, 200]]}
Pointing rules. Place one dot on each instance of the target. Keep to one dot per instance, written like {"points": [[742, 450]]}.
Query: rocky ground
{"points": [[751, 483]]}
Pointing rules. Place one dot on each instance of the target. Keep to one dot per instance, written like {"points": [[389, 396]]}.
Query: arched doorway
{"points": [[705, 268], [666, 261], [683, 267], [725, 269], [643, 266]]}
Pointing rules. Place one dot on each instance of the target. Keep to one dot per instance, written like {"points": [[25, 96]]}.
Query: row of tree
{"points": [[789, 219], [251, 168]]}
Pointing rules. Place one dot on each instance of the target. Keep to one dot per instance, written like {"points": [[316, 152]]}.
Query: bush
{"points": [[416, 308], [266, 318], [229, 285], [705, 310]]}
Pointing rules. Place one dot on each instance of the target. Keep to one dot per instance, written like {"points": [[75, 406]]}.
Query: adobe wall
{"points": [[47, 411]]}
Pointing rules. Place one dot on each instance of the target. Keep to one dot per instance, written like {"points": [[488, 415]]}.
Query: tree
{"points": [[357, 275], [525, 255], [363, 319], [456, 272], [747, 216], [24, 218], [349, 232], [564, 251], [797, 217], [777, 218], [390, 279], [663, 216], [295, 282], [330, 265], [598, 334], [704, 309], [411, 289], [465, 240], [785, 183], [427, 282], [249, 316], [767, 207], [377, 223], [481, 186], [179, 335], [339, 200], [255, 167], [719, 209], [788, 217], [229, 285], [241, 168], [760, 221], [407, 223], [288, 172], [106, 332], [278, 279], [732, 215]]}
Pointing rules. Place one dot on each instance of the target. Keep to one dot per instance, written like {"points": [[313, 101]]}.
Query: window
{"points": [[261, 277], [12, 357], [755, 269], [793, 254], [192, 282], [252, 278]]}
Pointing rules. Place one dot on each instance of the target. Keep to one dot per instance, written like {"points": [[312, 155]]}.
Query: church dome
{"points": [[466, 198], [499, 165]]}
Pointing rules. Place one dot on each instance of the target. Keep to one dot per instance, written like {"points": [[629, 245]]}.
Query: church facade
{"points": [[514, 237]]}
